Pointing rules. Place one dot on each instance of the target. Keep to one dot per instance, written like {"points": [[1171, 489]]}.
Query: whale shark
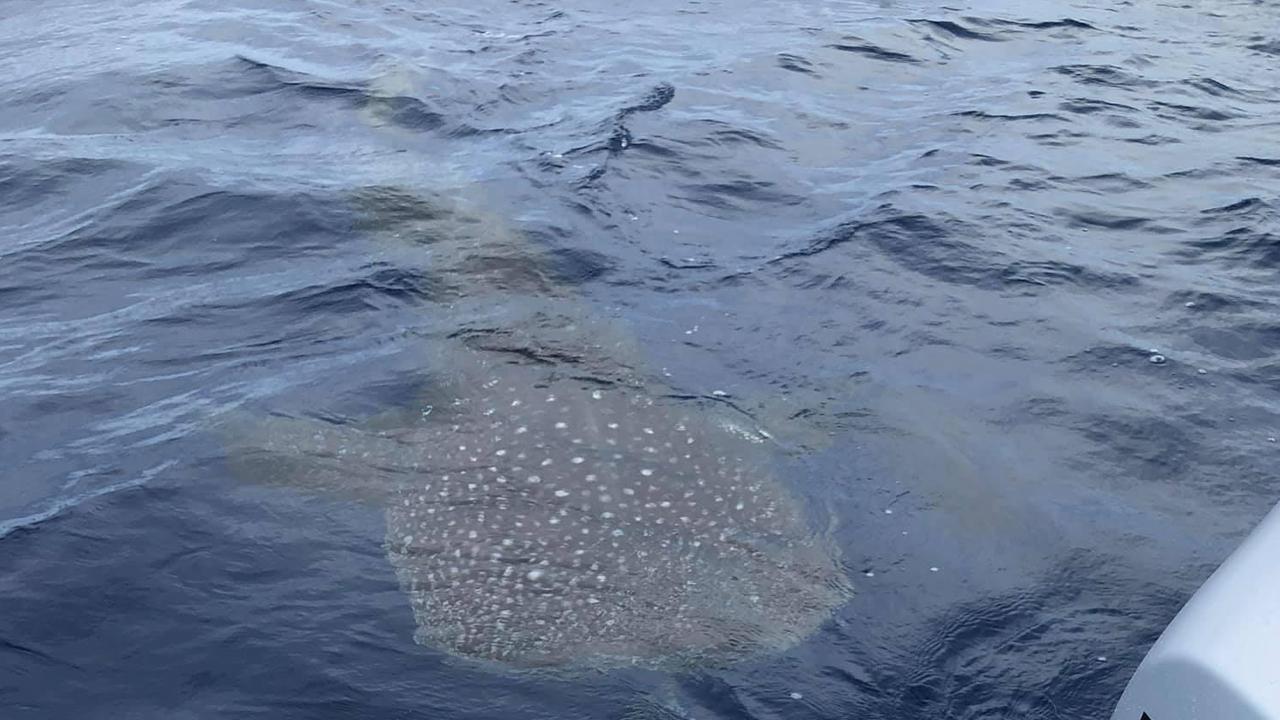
{"points": [[547, 515], [548, 503]]}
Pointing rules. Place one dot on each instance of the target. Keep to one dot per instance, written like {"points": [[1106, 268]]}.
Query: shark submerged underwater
{"points": [[551, 507], [547, 519], [548, 514]]}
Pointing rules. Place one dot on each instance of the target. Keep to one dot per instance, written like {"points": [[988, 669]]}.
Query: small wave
{"points": [[1055, 272], [254, 77], [1090, 106], [1243, 245], [874, 52], [62, 505], [737, 195], [1107, 183], [1271, 47], [723, 134], [370, 292], [796, 63], [1269, 162], [956, 30], [1216, 88], [172, 226], [1177, 111], [1099, 219], [1064, 23], [689, 263], [1246, 207], [945, 248], [1106, 75], [24, 182], [983, 115], [1214, 301]]}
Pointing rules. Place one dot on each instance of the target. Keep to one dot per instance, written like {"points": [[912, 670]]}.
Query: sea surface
{"points": [[1000, 277]]}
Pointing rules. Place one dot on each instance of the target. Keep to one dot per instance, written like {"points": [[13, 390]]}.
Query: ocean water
{"points": [[1000, 277]]}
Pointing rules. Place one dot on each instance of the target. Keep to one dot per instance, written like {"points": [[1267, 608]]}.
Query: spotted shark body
{"points": [[547, 519], [563, 523]]}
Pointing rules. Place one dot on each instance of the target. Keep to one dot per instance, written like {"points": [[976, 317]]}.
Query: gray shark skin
{"points": [[548, 520]]}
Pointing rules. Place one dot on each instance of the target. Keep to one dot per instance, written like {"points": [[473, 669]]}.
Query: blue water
{"points": [[1000, 276]]}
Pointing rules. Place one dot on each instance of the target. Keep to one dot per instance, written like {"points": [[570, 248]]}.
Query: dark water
{"points": [[936, 247]]}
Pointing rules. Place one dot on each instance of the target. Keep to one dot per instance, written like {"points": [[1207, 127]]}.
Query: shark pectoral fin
{"points": [[315, 478], [313, 456]]}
